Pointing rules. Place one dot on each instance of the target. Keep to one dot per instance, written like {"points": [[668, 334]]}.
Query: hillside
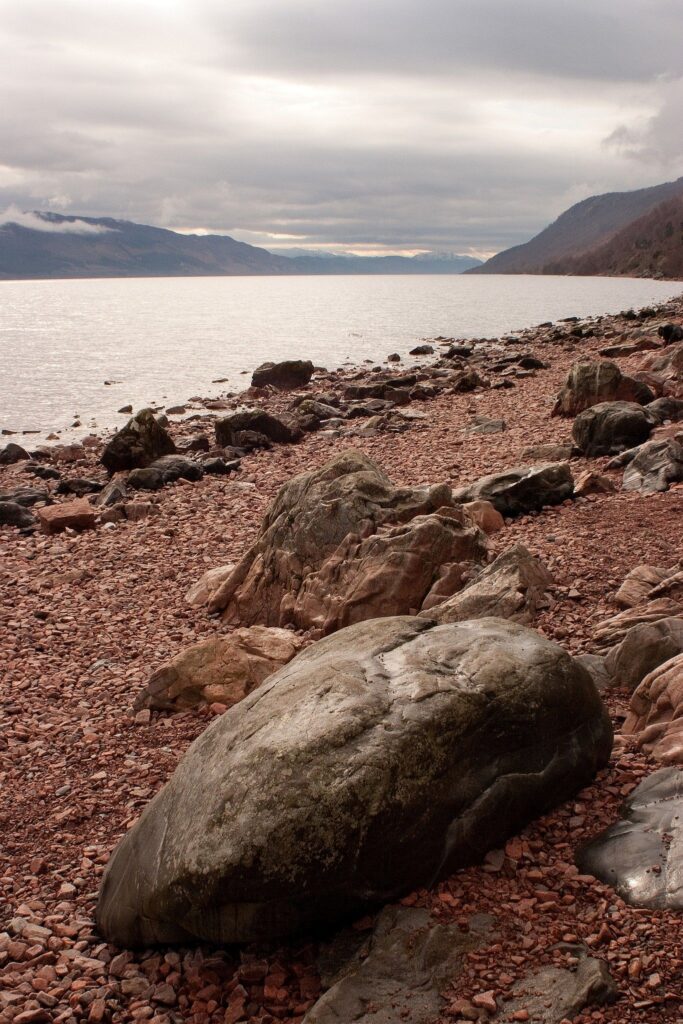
{"points": [[49, 245], [580, 229], [651, 246]]}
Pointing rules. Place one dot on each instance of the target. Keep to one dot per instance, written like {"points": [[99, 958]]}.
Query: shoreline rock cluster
{"points": [[395, 593]]}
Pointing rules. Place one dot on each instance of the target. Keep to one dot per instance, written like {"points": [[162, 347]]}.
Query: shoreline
{"points": [[87, 617]]}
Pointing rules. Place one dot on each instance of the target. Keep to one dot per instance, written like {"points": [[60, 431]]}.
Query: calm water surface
{"points": [[167, 339]]}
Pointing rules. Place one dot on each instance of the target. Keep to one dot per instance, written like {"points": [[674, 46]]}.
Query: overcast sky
{"points": [[366, 125]]}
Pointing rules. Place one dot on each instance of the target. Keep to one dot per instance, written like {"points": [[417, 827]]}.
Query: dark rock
{"points": [[43, 472], [410, 960], [459, 352], [291, 373], [219, 467], [280, 429], [528, 362], [14, 514], [145, 479], [595, 383], [422, 350], [387, 755], [521, 489], [139, 443], [611, 427], [198, 443], [666, 409], [251, 440], [79, 486], [655, 466], [12, 453], [548, 452], [177, 467], [112, 494], [670, 333], [26, 497], [641, 856]]}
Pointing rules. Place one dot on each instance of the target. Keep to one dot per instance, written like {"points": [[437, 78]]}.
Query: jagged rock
{"points": [[221, 670], [657, 465], [395, 571], [14, 514], [467, 379], [72, 515], [26, 497], [139, 443], [514, 587], [611, 427], [641, 856], [289, 374], [410, 960], [644, 647], [612, 631], [551, 995], [12, 453], [422, 350], [310, 517], [521, 489], [200, 592], [230, 430], [596, 383], [589, 482], [317, 412], [485, 516], [656, 714], [638, 583], [669, 363], [112, 494], [380, 758]]}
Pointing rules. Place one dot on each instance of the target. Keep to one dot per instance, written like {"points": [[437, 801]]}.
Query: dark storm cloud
{"points": [[449, 124]]}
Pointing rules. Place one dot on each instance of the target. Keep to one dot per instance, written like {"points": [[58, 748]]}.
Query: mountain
{"points": [[651, 246], [50, 245], [580, 229]]}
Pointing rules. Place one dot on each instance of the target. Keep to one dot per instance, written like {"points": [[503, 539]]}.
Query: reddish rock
{"points": [[73, 515]]}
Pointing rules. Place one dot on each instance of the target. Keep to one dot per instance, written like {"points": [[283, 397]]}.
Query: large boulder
{"points": [[13, 453], [595, 382], [638, 583], [644, 647], [657, 465], [611, 427], [612, 631], [346, 501], [515, 586], [521, 489], [139, 443], [641, 855], [221, 670], [592, 383], [290, 373], [656, 714], [230, 430], [380, 758], [200, 593]]}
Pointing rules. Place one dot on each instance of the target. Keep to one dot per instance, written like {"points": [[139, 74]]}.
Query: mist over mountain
{"points": [[50, 245]]}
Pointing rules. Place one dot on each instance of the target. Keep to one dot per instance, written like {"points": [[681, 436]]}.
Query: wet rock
{"points": [[656, 465], [70, 515], [410, 960], [200, 592], [221, 670], [515, 586], [644, 647], [656, 713], [139, 443], [13, 453], [551, 995], [611, 427], [594, 383], [395, 571], [521, 489], [310, 517], [289, 374], [386, 755], [282, 430], [14, 514], [641, 856]]}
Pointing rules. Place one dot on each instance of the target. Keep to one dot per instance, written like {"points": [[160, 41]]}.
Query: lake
{"points": [[163, 340]]}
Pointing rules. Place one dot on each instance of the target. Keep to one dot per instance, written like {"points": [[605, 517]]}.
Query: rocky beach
{"points": [[527, 489]]}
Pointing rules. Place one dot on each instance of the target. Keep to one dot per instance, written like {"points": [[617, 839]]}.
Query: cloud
{"points": [[438, 124], [36, 221]]}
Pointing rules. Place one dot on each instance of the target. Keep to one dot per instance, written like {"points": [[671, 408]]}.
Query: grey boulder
{"points": [[656, 465], [230, 430], [379, 759], [290, 373], [611, 427], [139, 443], [521, 489]]}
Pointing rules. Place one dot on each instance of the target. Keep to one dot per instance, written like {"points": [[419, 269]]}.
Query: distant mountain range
{"points": [[620, 233], [50, 245]]}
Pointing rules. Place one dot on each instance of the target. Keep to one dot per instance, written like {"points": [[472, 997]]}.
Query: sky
{"points": [[367, 126]]}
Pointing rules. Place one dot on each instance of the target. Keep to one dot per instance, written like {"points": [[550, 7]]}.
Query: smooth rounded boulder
{"points": [[379, 759]]}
